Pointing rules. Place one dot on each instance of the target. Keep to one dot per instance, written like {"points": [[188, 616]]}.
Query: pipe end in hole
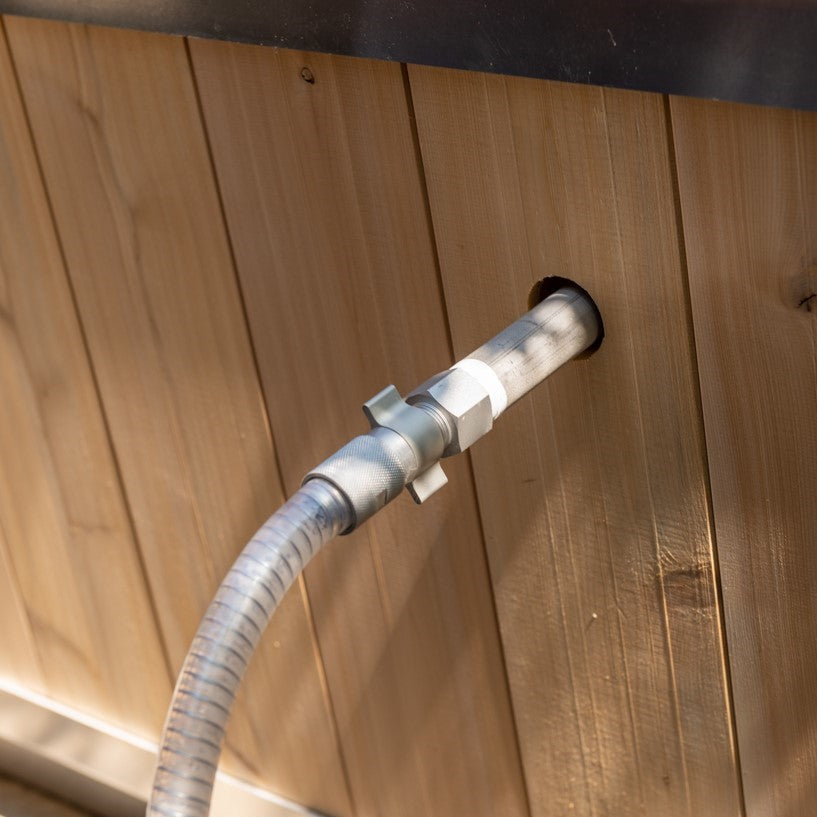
{"points": [[550, 284]]}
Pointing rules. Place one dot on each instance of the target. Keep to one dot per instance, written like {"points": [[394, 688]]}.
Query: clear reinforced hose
{"points": [[226, 639]]}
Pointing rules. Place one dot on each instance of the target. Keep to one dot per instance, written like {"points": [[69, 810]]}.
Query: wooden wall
{"points": [[211, 254]]}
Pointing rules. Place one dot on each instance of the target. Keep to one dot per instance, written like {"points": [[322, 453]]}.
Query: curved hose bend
{"points": [[226, 639], [444, 416]]}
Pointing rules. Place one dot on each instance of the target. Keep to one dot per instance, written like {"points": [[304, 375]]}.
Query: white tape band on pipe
{"points": [[491, 383]]}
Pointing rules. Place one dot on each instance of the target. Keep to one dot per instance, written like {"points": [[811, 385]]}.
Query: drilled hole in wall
{"points": [[547, 286]]}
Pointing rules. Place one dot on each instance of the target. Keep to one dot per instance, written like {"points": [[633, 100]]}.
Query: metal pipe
{"points": [[562, 326]]}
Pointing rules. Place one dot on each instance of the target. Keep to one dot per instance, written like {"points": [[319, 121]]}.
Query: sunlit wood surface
{"points": [[211, 254]]}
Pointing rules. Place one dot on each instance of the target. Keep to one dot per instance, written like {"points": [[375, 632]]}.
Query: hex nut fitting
{"points": [[464, 403]]}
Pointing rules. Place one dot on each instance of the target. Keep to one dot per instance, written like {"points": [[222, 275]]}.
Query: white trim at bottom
{"points": [[100, 767]]}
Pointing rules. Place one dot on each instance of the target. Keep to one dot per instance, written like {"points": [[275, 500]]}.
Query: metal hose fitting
{"points": [[455, 408]]}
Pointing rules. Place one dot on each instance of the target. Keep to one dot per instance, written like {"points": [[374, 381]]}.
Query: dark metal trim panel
{"points": [[760, 51]]}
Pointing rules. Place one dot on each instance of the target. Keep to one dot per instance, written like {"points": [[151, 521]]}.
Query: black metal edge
{"points": [[756, 51]]}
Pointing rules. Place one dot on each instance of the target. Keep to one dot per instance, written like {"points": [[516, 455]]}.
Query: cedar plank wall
{"points": [[207, 263]]}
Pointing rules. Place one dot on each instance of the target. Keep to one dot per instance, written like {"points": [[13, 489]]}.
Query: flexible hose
{"points": [[443, 416], [226, 639]]}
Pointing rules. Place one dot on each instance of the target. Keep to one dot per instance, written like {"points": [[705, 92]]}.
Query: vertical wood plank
{"points": [[748, 184], [117, 127], [327, 214], [69, 543], [18, 656], [593, 490]]}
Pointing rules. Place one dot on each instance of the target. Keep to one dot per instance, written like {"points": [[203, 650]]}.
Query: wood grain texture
{"points": [[593, 489], [327, 214], [71, 558], [19, 661], [748, 184], [116, 123]]}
